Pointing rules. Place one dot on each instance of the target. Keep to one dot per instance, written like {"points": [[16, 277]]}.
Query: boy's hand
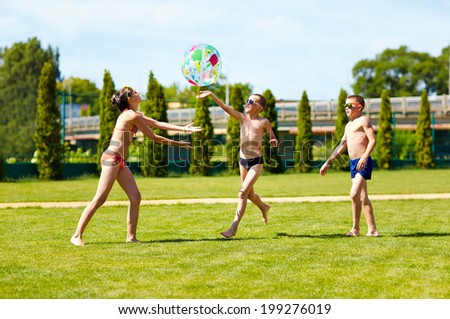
{"points": [[273, 142], [361, 163], [324, 169], [203, 94]]}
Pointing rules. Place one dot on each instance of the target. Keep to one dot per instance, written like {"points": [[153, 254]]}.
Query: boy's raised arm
{"points": [[237, 115]]}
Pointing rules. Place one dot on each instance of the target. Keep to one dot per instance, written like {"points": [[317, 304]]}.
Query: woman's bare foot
{"points": [[77, 241], [264, 213], [353, 233]]}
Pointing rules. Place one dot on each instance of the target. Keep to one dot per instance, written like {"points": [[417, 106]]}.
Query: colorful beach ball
{"points": [[201, 65]]}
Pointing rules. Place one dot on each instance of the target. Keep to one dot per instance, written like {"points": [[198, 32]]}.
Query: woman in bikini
{"points": [[113, 160]]}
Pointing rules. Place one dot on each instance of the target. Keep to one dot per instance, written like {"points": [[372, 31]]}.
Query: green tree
{"points": [[156, 155], [341, 121], [442, 85], [2, 166], [234, 130], [303, 141], [2, 119], [385, 133], [187, 98], [81, 91], [202, 142], [20, 73], [272, 160], [220, 89], [48, 128], [171, 92], [108, 115], [400, 71], [424, 154]]}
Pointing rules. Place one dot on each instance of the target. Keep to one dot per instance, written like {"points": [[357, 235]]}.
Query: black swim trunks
{"points": [[249, 163]]}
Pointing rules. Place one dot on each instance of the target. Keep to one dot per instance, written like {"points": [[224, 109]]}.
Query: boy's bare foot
{"points": [[373, 233], [76, 241], [133, 240], [353, 233], [228, 234], [264, 213]]}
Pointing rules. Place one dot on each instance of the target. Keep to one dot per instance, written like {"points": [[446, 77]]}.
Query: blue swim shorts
{"points": [[366, 172]]}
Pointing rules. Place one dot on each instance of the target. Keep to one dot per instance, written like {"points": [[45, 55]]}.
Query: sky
{"points": [[287, 46]]}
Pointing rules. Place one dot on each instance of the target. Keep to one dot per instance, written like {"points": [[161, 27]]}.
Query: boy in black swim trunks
{"points": [[253, 127], [359, 138]]}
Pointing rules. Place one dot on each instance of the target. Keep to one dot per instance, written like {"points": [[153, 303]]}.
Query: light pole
{"points": [[3, 109], [63, 118]]}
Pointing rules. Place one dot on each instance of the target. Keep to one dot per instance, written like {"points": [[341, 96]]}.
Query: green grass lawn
{"points": [[285, 185], [301, 254]]}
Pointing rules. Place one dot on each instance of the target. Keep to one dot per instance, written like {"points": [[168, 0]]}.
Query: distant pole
{"points": [[433, 149], [394, 146], [227, 92], [63, 119]]}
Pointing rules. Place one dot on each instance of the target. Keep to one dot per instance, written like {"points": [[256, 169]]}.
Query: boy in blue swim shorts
{"points": [[359, 139]]}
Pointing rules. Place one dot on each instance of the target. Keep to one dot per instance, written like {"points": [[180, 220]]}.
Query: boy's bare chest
{"points": [[255, 125], [354, 128]]}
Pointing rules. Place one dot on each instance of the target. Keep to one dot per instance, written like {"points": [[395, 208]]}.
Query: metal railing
{"points": [[287, 112]]}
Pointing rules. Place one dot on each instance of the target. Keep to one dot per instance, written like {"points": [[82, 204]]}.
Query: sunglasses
{"points": [[251, 102], [350, 105]]}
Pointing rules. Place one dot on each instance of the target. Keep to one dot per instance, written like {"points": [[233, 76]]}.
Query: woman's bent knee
{"points": [[135, 199], [99, 201]]}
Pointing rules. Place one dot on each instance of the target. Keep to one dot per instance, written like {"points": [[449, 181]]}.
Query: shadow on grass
{"points": [[175, 240], [420, 234], [188, 240], [328, 236], [324, 236]]}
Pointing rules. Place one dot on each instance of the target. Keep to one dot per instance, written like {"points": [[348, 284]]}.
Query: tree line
{"points": [[30, 81]]}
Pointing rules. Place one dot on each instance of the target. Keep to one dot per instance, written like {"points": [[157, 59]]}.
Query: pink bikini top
{"points": [[134, 129]]}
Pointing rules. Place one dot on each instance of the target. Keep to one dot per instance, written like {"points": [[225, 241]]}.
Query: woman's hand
{"points": [[185, 144], [191, 129]]}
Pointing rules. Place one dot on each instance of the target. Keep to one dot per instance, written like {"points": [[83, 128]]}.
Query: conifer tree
{"points": [[47, 137], [424, 154], [156, 162], [21, 70], [385, 133], [108, 115], [202, 142], [272, 161], [2, 166], [303, 142], [343, 161], [233, 130]]}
